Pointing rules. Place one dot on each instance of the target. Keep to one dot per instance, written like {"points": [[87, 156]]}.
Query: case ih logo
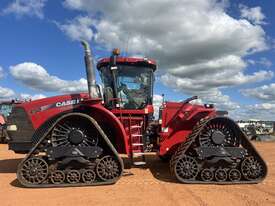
{"points": [[68, 102], [58, 104]]}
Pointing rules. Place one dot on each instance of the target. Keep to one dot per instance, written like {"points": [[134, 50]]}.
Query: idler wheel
{"points": [[107, 168], [207, 175], [221, 175], [33, 171], [186, 168], [88, 176], [57, 177], [73, 176], [234, 175], [251, 169]]}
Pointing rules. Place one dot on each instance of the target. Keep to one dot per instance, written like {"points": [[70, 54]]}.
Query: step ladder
{"points": [[137, 146]]}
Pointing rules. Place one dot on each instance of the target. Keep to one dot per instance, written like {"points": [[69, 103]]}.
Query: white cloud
{"points": [[197, 44], [265, 92], [212, 74], [263, 106], [31, 97], [262, 111], [254, 14], [216, 97], [172, 29], [26, 8], [157, 102], [78, 29], [6, 93], [36, 77], [221, 101], [206, 86]]}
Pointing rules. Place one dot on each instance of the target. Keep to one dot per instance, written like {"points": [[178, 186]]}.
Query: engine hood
{"points": [[40, 110]]}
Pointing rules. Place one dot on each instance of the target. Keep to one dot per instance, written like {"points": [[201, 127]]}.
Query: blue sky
{"points": [[222, 51]]}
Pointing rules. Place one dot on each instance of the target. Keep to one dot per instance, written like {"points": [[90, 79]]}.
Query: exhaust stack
{"points": [[92, 87]]}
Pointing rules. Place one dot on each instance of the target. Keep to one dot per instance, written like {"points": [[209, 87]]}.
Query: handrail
{"points": [[178, 111]]}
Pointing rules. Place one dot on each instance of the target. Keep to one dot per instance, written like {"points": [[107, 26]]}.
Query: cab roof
{"points": [[129, 61]]}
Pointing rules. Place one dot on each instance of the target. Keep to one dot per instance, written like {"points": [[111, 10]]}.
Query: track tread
{"points": [[43, 141], [184, 146]]}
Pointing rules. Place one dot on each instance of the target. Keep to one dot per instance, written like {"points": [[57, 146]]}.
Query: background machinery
{"points": [[77, 139], [5, 110]]}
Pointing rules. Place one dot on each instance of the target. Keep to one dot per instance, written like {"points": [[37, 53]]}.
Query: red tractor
{"points": [[77, 139]]}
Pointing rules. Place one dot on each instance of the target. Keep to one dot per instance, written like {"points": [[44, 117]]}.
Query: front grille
{"points": [[25, 129]]}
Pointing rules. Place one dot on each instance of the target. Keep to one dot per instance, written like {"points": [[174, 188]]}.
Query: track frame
{"points": [[244, 141], [36, 150]]}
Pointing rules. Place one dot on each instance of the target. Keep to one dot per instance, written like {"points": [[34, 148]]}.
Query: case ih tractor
{"points": [[77, 139]]}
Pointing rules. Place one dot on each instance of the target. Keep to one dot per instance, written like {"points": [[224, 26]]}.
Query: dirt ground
{"points": [[150, 186]]}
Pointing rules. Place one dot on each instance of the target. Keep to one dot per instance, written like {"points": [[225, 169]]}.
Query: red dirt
{"points": [[151, 186]]}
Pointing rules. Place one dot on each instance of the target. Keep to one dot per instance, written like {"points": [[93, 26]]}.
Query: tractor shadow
{"points": [[9, 165], [16, 183], [159, 168]]}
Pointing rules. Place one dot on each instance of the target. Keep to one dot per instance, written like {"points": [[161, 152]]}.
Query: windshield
{"points": [[5, 109], [134, 85]]}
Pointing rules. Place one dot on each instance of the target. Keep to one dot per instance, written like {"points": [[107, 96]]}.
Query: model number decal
{"points": [[68, 102]]}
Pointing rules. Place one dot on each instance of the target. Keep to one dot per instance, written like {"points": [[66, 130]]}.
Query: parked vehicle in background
{"points": [[5, 110]]}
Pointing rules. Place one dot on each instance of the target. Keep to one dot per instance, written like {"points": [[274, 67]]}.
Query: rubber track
{"points": [[245, 142], [39, 144]]}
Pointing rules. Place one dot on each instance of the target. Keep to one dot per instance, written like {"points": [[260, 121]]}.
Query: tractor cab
{"points": [[128, 82]]}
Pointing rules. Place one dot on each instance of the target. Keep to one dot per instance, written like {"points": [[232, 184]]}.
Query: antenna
{"points": [[127, 44], [128, 34]]}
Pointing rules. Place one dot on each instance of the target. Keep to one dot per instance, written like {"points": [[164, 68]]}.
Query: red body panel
{"points": [[177, 123], [39, 111]]}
